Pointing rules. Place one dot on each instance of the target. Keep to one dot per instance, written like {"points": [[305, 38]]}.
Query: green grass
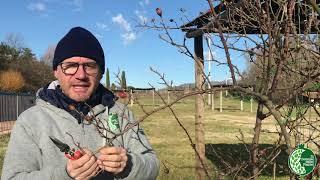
{"points": [[222, 131], [4, 139], [171, 143]]}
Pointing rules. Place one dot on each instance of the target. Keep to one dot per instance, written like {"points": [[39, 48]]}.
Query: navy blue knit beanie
{"points": [[79, 42]]}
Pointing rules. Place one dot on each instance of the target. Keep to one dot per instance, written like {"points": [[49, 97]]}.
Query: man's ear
{"points": [[100, 76], [55, 73]]}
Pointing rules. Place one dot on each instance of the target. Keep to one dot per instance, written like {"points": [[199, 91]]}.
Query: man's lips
{"points": [[80, 87]]}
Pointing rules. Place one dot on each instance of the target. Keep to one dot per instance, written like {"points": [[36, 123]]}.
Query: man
{"points": [[77, 110]]}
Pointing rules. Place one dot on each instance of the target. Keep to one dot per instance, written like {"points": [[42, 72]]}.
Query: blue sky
{"points": [[41, 23]]}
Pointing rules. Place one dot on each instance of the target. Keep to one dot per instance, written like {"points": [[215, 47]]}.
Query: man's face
{"points": [[82, 84]]}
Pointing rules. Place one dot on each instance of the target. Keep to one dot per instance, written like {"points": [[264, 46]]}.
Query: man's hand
{"points": [[112, 159], [84, 167]]}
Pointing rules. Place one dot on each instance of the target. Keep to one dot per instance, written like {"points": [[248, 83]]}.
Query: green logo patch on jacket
{"points": [[113, 122]]}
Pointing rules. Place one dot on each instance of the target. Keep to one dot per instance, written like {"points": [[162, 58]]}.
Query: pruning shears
{"points": [[68, 152]]}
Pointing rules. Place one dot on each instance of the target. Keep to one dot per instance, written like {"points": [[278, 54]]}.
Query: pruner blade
{"points": [[62, 146]]}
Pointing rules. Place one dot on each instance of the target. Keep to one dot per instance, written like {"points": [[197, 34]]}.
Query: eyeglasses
{"points": [[71, 68]]}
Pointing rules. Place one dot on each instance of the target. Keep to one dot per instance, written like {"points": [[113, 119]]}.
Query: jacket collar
{"points": [[53, 94]]}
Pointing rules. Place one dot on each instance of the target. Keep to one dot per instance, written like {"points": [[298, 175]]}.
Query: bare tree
{"points": [[15, 40], [284, 56], [47, 58]]}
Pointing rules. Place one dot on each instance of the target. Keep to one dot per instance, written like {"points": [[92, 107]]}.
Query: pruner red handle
{"points": [[74, 155]]}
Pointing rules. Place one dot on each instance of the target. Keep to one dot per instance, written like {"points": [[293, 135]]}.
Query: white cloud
{"points": [[102, 26], [142, 18], [37, 7], [128, 35], [144, 3], [78, 4], [122, 22], [141, 13], [43, 6], [99, 36]]}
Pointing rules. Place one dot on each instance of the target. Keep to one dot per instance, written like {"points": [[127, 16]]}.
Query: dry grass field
{"points": [[222, 133], [222, 130]]}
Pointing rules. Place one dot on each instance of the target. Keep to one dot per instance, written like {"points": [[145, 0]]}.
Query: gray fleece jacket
{"points": [[31, 155]]}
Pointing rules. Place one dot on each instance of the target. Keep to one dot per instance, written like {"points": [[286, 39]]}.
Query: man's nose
{"points": [[81, 73]]}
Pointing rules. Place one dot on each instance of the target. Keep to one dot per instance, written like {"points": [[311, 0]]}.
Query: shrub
{"points": [[11, 80]]}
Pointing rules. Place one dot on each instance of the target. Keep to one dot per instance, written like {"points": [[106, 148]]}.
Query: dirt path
{"points": [[6, 126]]}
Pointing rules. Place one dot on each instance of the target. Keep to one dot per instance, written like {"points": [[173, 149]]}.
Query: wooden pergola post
{"points": [[131, 98], [251, 101], [212, 101], [251, 105], [199, 108], [153, 98], [221, 100], [241, 103]]}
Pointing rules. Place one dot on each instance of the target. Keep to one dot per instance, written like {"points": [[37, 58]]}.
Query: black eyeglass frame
{"points": [[84, 66]]}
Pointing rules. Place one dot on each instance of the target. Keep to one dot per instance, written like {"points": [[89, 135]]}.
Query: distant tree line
{"points": [[20, 70]]}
